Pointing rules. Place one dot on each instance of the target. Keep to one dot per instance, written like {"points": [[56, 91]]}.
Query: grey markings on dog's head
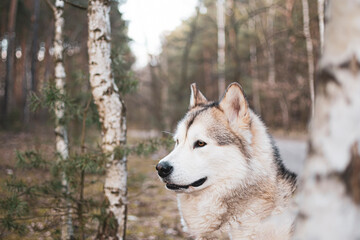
{"points": [[221, 135], [196, 111], [224, 136]]}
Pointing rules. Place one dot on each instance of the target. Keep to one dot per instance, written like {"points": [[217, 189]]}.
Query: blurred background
{"points": [[159, 47], [170, 45]]}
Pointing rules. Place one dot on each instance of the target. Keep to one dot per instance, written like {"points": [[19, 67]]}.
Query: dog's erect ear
{"points": [[196, 98], [235, 105]]}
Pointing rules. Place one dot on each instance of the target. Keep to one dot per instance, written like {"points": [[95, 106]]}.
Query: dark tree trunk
{"points": [[10, 59], [34, 44]]}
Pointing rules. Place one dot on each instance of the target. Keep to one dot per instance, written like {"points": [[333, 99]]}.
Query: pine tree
{"points": [[62, 143]]}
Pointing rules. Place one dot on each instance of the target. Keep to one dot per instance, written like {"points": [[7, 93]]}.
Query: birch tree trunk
{"points": [[62, 144], [321, 9], [221, 46], [254, 62], [233, 40], [112, 117], [309, 51], [188, 45], [329, 195], [270, 43]]}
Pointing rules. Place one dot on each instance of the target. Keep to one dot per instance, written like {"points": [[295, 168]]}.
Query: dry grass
{"points": [[152, 210]]}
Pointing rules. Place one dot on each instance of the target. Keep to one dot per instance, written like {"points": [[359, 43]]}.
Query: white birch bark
{"points": [[112, 117], [253, 61], [221, 46], [329, 189], [270, 42], [321, 9], [62, 147], [309, 51]]}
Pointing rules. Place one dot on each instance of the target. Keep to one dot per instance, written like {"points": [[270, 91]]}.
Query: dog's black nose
{"points": [[164, 169]]}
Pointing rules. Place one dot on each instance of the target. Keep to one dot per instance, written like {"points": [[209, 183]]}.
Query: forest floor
{"points": [[152, 210]]}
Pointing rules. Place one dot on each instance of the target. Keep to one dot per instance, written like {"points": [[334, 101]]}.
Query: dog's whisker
{"points": [[169, 133]]}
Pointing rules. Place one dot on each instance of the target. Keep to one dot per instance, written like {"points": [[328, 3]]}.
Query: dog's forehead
{"points": [[213, 124], [208, 115]]}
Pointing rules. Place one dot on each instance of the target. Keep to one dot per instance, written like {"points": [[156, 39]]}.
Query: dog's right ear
{"points": [[234, 105], [196, 98]]}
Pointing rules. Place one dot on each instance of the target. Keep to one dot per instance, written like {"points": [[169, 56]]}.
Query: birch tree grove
{"points": [[329, 194], [112, 117], [62, 147]]}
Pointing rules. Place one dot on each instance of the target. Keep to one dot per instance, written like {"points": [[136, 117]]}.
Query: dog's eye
{"points": [[199, 144], [177, 141]]}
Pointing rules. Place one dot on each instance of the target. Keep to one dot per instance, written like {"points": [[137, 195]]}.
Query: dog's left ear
{"points": [[196, 98], [235, 105]]}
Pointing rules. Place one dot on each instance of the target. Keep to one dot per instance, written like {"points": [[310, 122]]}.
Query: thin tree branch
{"points": [[75, 5], [50, 5]]}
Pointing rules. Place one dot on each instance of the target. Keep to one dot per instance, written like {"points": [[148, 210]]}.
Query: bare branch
{"points": [[75, 5], [51, 6]]}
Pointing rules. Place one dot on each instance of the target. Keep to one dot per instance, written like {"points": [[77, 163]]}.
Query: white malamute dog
{"points": [[227, 173]]}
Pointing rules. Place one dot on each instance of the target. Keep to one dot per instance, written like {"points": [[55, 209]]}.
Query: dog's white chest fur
{"points": [[200, 215], [206, 217]]}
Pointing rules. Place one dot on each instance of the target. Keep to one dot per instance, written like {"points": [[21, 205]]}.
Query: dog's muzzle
{"points": [[164, 169]]}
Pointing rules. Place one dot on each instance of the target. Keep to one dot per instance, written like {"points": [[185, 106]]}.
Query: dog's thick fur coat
{"points": [[227, 171]]}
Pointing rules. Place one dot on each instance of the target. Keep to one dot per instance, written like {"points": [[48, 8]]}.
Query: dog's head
{"points": [[212, 143]]}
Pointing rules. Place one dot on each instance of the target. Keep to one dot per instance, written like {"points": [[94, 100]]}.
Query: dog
{"points": [[227, 171]]}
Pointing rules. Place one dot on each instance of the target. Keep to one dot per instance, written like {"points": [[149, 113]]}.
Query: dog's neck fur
{"points": [[246, 211]]}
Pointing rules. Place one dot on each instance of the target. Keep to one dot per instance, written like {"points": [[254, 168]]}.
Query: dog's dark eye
{"points": [[199, 144], [177, 141]]}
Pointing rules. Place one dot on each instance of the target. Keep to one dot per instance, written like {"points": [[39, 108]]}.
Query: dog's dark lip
{"points": [[197, 183]]}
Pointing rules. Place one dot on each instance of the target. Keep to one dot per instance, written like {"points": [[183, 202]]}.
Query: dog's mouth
{"points": [[197, 183]]}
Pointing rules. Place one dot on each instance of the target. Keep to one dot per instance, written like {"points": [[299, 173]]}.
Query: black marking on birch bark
{"points": [[109, 91], [351, 175], [96, 30], [106, 2], [120, 203], [103, 37], [353, 65], [302, 216], [311, 149], [59, 59], [59, 134], [115, 192], [325, 77]]}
